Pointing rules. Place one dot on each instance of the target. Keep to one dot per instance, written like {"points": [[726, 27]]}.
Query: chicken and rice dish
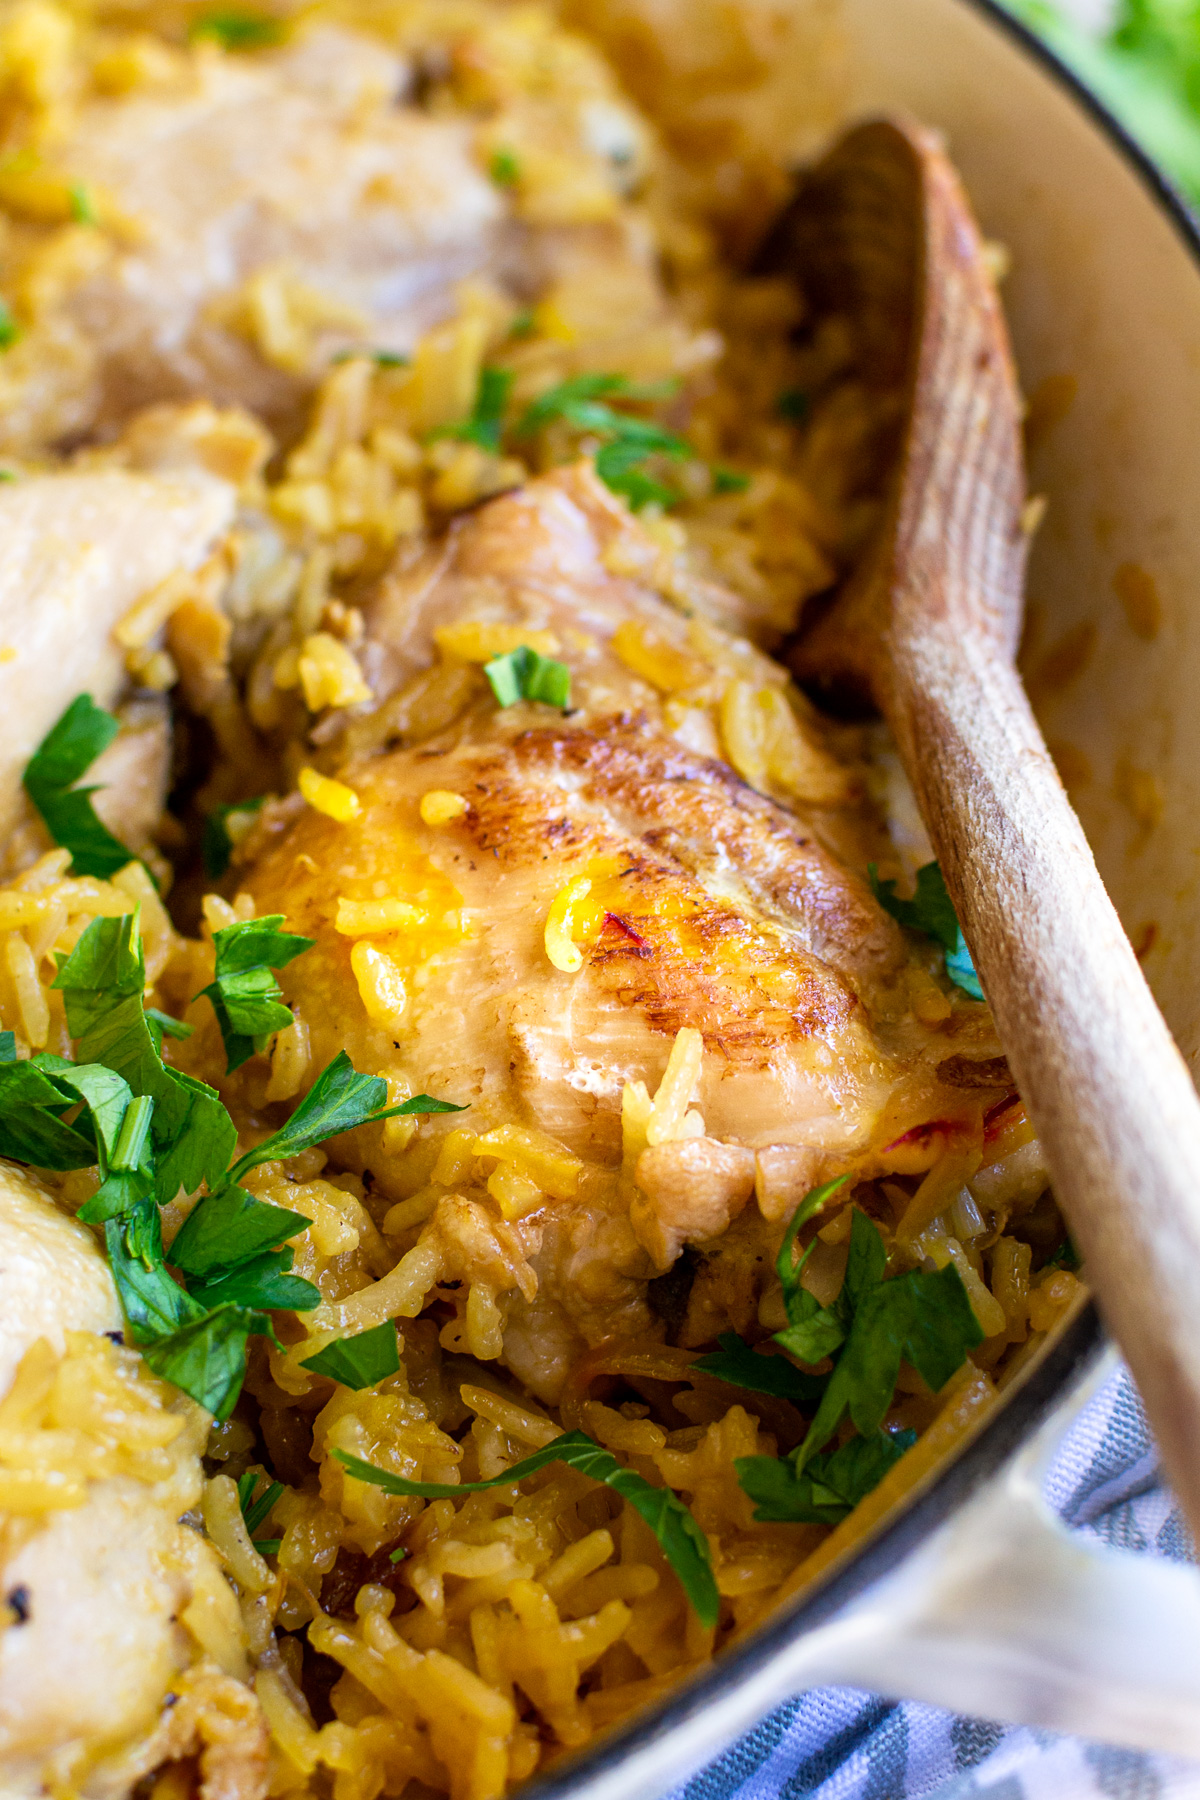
{"points": [[507, 1167]]}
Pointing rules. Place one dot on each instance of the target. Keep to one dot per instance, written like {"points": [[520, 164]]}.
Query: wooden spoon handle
{"points": [[1108, 1091]]}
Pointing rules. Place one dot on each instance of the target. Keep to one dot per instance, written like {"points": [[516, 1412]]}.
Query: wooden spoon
{"points": [[881, 234]]}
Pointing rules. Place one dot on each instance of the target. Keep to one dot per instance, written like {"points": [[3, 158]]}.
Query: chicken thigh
{"points": [[546, 916]]}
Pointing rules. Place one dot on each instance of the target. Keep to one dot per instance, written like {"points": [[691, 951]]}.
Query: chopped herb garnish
{"points": [[683, 1543], [359, 1362], [504, 169], [83, 207], [383, 359], [398, 1554], [524, 324], [522, 674], [743, 1367], [486, 423], [263, 1283], [793, 404], [102, 983], [1065, 1257], [163, 1025], [338, 1100], [65, 754], [931, 911], [629, 439], [255, 1512], [216, 845], [829, 1487], [245, 995], [153, 1132], [10, 331], [873, 1325], [231, 1226], [207, 1356], [729, 481], [236, 30]]}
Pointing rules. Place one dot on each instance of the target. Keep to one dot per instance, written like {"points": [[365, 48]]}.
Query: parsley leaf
{"points": [[256, 1512], [8, 1046], [873, 1326], [359, 1362], [829, 1487], [261, 1282], [216, 845], [743, 1367], [486, 423], [230, 1226], [504, 168], [931, 911], [683, 1543], [101, 983], [206, 1357], [237, 30], [66, 752], [793, 404], [154, 1304], [31, 1130], [924, 1318], [338, 1100], [1065, 1257], [729, 481], [629, 439], [245, 995], [522, 674]]}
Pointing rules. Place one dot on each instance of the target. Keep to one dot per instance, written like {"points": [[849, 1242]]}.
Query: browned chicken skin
{"points": [[540, 916]]}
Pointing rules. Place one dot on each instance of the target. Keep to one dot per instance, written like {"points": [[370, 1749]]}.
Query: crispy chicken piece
{"points": [[530, 913], [76, 552]]}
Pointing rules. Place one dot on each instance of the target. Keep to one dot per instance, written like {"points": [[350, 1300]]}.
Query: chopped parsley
{"points": [[486, 422], [729, 481], [793, 404], [64, 755], [257, 1510], [829, 1487], [83, 207], [10, 331], [216, 845], [522, 674], [504, 169], [683, 1543], [245, 995], [931, 911], [873, 1325], [359, 1362], [234, 29], [627, 440], [153, 1131]]}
